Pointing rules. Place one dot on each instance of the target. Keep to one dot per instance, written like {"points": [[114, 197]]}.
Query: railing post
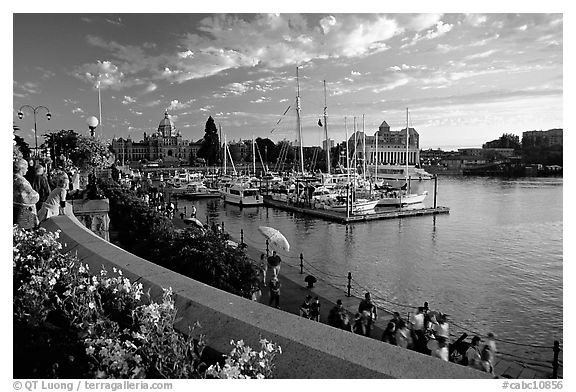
{"points": [[222, 227], [242, 237], [301, 263], [555, 362], [267, 249], [349, 282]]}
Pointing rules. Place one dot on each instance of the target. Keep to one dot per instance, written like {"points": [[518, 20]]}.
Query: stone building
{"points": [[165, 144], [391, 146]]}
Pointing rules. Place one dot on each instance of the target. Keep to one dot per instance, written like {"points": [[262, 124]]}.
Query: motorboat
{"points": [[195, 190], [242, 194]]}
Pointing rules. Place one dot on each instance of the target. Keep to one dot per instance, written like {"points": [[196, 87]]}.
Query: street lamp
{"points": [[34, 110], [92, 124]]}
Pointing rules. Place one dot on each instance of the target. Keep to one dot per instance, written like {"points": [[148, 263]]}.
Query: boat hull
{"points": [[387, 201]]}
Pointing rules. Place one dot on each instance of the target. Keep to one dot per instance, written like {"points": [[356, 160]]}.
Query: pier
{"points": [[352, 218]]}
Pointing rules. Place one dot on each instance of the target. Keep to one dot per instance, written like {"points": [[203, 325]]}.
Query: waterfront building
{"points": [[165, 144], [547, 138], [391, 146]]}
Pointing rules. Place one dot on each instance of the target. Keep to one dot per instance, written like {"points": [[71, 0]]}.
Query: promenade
{"points": [[294, 290]]}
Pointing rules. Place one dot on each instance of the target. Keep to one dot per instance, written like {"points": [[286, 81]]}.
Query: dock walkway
{"points": [[369, 216]]}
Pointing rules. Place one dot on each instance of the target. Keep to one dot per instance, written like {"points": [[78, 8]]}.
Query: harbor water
{"points": [[493, 264]]}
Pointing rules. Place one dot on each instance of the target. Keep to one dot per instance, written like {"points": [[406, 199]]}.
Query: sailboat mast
{"points": [[355, 149], [253, 156], [299, 122], [364, 153], [224, 153], [407, 139], [376, 171], [326, 132]]}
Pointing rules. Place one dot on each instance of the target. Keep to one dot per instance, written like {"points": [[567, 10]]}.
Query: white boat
{"points": [[195, 190], [242, 194], [400, 198], [358, 206]]}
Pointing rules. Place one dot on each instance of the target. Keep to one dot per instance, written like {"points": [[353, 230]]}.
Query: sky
{"points": [[465, 78]]}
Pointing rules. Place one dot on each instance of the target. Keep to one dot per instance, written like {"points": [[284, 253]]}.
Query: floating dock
{"points": [[369, 216]]}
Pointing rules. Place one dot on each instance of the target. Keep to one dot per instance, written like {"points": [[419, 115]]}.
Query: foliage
{"points": [[71, 324], [200, 255], [21, 148], [210, 149], [60, 143], [90, 153], [243, 362]]}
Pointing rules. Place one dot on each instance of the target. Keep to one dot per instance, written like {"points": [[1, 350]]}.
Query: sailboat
{"points": [[401, 197], [239, 191]]}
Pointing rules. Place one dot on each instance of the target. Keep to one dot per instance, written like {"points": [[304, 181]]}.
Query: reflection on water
{"points": [[494, 263]]}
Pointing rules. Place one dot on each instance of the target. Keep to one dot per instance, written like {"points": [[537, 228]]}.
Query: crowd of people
{"points": [[427, 332], [35, 198]]}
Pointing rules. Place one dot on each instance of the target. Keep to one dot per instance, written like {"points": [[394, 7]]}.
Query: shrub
{"points": [[71, 324], [200, 255]]}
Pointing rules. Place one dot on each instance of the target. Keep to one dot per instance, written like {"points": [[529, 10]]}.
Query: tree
{"points": [[22, 146], [210, 144], [61, 144]]}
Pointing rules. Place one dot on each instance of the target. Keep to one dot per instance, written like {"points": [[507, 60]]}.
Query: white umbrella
{"points": [[275, 238], [195, 221]]}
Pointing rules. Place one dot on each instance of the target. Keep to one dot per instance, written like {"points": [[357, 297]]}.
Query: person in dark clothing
{"points": [[368, 310], [336, 315], [40, 184], [315, 310], [305, 307], [274, 287]]}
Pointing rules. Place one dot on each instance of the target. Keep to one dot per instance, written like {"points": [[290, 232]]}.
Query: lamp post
{"points": [[92, 124], [34, 111]]}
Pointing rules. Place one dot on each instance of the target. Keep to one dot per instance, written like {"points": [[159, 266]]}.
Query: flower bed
{"points": [[70, 323]]}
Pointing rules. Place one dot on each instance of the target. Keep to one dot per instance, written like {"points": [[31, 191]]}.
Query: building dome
{"points": [[166, 127]]}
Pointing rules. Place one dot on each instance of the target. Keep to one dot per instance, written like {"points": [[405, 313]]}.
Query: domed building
{"points": [[165, 144]]}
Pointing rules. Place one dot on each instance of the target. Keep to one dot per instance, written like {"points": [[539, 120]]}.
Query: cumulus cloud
{"points": [[177, 105], [77, 110], [103, 74]]}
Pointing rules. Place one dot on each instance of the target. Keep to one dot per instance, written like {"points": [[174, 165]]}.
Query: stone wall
{"points": [[309, 349]]}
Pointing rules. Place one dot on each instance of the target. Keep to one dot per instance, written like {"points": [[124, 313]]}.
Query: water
{"points": [[494, 263]]}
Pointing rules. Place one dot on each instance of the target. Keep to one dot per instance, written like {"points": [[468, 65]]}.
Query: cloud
{"points": [[77, 110], [103, 73], [475, 19], [481, 55], [177, 105], [117, 22], [422, 21], [440, 29], [151, 87], [127, 100]]}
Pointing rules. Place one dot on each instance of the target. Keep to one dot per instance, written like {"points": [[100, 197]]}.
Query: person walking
{"points": [[40, 184], [472, 357], [368, 310], [55, 202], [274, 264], [419, 330], [24, 197], [403, 338], [305, 307], [315, 310], [274, 287], [262, 268], [336, 315]]}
